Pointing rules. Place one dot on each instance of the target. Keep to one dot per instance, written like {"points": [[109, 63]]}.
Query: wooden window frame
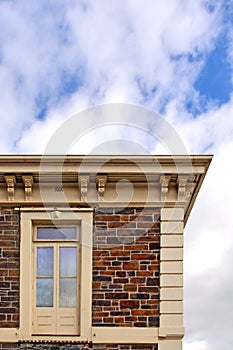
{"points": [[30, 218], [62, 313]]}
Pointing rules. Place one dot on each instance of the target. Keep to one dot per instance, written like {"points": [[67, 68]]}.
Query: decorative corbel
{"points": [[164, 181], [101, 181], [28, 181], [182, 180], [190, 186], [83, 184], [10, 182]]}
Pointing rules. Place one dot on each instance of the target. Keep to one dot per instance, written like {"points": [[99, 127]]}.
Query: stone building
{"points": [[91, 249]]}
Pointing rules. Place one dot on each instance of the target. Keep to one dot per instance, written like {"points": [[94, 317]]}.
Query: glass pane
{"points": [[68, 292], [44, 258], [44, 292], [68, 261], [51, 233]]}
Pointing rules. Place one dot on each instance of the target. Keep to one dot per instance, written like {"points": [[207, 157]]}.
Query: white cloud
{"points": [[116, 54], [208, 257], [204, 133], [196, 345], [35, 138]]}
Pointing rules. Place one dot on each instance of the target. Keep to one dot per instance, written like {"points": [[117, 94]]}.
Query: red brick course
{"points": [[125, 347], [9, 268], [126, 267]]}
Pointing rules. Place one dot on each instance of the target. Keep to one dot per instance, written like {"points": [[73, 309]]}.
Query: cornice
{"points": [[111, 165], [169, 159], [172, 180]]}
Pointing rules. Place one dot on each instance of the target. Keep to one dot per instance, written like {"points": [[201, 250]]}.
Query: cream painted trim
{"points": [[106, 334], [171, 307], [68, 216], [171, 267], [171, 279], [125, 335], [171, 344], [172, 241], [133, 167], [176, 332], [171, 320], [172, 214], [9, 335], [51, 209], [172, 227], [171, 293], [172, 254]]}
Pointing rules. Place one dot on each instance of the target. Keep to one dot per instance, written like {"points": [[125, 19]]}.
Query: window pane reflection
{"points": [[44, 292], [44, 261], [53, 233], [68, 261], [68, 292]]}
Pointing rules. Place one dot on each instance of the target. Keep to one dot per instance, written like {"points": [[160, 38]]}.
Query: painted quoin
{"points": [[91, 250]]}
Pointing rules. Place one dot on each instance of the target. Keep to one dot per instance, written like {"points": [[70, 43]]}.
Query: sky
{"points": [[173, 57]]}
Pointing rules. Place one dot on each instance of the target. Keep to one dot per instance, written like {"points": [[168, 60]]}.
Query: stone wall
{"points": [[72, 346], [126, 256], [125, 347], [126, 267], [9, 268], [8, 346], [51, 346]]}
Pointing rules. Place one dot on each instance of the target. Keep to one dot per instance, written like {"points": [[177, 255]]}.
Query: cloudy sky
{"points": [[174, 57]]}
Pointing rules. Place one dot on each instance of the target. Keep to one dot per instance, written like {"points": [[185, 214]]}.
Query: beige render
{"points": [[173, 186]]}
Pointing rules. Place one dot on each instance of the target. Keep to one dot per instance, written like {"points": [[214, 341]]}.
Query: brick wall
{"points": [[51, 346], [9, 268], [62, 346], [40, 346], [126, 267], [126, 347], [8, 346], [71, 346], [125, 271]]}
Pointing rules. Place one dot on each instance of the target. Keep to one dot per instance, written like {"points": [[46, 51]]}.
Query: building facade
{"points": [[91, 250]]}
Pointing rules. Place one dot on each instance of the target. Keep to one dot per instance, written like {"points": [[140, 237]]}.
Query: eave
{"points": [[140, 170]]}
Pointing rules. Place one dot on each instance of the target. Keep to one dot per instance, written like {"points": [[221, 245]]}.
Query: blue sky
{"points": [[215, 78], [175, 57]]}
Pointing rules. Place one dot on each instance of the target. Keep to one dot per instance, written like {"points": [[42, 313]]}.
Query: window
{"points": [[56, 274], [56, 280]]}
